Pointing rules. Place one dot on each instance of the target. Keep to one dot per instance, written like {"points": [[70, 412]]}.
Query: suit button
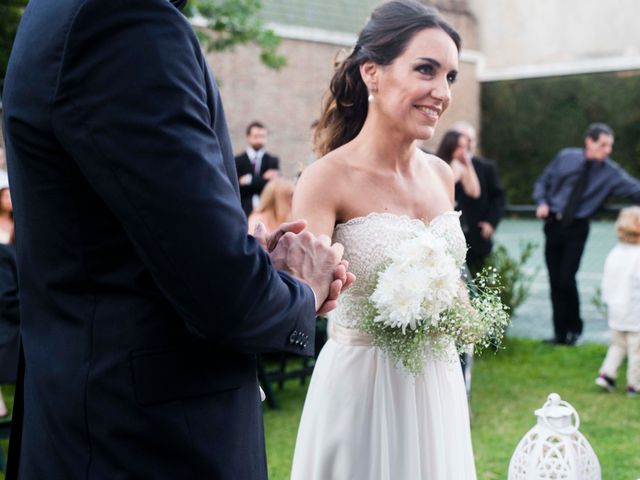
{"points": [[293, 338]]}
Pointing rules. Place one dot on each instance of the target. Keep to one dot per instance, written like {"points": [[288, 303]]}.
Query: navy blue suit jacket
{"points": [[143, 300]]}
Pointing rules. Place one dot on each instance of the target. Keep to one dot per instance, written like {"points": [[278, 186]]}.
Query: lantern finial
{"points": [[554, 448]]}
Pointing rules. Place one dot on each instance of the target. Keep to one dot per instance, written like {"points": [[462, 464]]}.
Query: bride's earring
{"points": [[372, 90]]}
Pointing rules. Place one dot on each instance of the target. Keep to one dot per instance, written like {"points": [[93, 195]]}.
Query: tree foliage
{"points": [[235, 22], [228, 23], [10, 13]]}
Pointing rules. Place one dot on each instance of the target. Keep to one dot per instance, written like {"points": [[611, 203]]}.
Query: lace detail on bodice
{"points": [[366, 241]]}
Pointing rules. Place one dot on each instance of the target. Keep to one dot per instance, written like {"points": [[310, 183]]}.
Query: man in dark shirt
{"points": [[568, 193]]}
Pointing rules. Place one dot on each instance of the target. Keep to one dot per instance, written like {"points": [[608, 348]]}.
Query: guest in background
{"points": [[8, 291], [621, 295], [274, 207], [9, 319], [480, 216], [454, 149], [6, 210], [568, 193], [255, 167]]}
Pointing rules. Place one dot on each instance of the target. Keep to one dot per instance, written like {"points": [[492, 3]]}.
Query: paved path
{"points": [[533, 318]]}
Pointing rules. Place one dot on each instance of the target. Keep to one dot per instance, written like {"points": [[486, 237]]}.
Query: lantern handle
{"points": [[562, 430]]}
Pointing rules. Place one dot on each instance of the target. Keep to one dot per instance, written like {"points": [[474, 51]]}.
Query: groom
{"points": [[143, 301]]}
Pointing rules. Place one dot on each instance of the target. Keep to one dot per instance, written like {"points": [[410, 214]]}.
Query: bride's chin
{"points": [[425, 133]]}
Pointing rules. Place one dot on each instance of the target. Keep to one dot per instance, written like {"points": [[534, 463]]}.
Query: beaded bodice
{"points": [[366, 241]]}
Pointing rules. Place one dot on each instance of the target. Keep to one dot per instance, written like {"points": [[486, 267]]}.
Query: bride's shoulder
{"points": [[435, 164], [329, 167]]}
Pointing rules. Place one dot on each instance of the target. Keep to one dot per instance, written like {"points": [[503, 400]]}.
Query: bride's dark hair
{"points": [[385, 37]]}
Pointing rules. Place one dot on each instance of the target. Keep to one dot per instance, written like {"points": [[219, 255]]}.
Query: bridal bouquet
{"points": [[420, 299]]}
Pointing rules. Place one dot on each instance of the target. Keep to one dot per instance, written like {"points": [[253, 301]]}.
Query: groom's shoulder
{"points": [[68, 10], [67, 14]]}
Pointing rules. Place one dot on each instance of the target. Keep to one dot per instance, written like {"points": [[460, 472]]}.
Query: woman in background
{"points": [[8, 291], [454, 149], [274, 207], [6, 215]]}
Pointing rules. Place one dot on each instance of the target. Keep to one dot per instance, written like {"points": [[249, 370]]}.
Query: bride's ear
{"points": [[369, 73]]}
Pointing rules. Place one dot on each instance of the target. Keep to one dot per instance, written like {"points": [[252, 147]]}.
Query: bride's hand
{"points": [[342, 279]]}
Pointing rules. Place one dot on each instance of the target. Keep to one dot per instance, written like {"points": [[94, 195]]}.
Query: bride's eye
{"points": [[425, 69], [452, 77]]}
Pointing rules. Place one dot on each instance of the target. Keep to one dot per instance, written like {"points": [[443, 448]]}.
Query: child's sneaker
{"points": [[632, 392], [607, 383]]}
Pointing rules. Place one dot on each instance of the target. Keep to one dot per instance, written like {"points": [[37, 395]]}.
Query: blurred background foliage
{"points": [[10, 13], [227, 23]]}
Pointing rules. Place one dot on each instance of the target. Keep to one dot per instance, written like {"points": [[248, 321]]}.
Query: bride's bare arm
{"points": [[315, 197]]}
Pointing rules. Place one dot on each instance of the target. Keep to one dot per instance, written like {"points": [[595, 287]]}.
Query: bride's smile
{"points": [[415, 90]]}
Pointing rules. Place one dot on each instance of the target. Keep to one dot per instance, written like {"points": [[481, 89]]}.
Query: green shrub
{"points": [[513, 278]]}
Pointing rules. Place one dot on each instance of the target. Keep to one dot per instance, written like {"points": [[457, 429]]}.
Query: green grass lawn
{"points": [[507, 388]]}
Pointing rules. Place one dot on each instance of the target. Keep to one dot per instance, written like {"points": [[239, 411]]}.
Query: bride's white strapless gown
{"points": [[364, 418]]}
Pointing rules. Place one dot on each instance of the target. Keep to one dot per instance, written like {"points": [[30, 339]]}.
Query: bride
{"points": [[364, 416]]}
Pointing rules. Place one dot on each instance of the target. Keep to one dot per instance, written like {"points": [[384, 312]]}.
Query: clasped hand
{"points": [[311, 259]]}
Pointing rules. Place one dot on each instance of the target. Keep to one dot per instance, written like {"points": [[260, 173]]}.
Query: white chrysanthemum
{"points": [[421, 281]]}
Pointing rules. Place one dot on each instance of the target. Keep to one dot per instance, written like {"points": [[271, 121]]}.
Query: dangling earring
{"points": [[372, 90]]}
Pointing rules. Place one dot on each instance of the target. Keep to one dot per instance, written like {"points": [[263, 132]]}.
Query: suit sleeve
{"points": [[495, 195], [133, 109]]}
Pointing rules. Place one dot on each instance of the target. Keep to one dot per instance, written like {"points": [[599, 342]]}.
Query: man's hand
{"points": [[270, 174], [270, 241], [342, 278], [486, 230], [245, 179], [542, 211], [314, 261]]}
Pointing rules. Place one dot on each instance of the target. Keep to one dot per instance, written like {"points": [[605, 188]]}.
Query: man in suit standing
{"points": [[480, 216], [568, 193], [143, 301], [255, 167]]}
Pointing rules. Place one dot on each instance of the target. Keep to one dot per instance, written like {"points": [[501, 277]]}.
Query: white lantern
{"points": [[554, 449]]}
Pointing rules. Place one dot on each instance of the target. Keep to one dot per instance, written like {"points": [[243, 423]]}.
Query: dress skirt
{"points": [[364, 418]]}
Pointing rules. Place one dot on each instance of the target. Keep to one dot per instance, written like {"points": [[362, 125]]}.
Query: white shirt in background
{"points": [[621, 287]]}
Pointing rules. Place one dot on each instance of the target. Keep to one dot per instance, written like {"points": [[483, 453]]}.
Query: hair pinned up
{"points": [[384, 38]]}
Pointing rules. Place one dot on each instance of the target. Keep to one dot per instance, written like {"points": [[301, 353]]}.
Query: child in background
{"points": [[621, 294]]}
